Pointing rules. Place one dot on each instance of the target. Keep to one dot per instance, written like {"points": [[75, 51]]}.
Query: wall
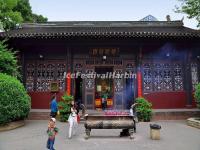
{"points": [[168, 100], [42, 100]]}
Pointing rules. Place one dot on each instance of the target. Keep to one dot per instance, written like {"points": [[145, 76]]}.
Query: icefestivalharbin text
{"points": [[107, 75]]}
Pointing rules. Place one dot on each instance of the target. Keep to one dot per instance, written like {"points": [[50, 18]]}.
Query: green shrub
{"points": [[14, 101], [65, 106], [8, 61], [197, 95], [143, 109]]}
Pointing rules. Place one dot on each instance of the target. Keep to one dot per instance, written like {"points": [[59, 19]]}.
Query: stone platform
{"points": [[158, 114]]}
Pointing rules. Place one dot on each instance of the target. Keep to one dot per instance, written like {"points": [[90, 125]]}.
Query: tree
{"points": [[39, 18], [23, 6], [13, 12], [8, 61], [190, 7], [8, 17]]}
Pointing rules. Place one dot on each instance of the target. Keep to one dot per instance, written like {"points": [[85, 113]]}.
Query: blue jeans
{"points": [[50, 143]]}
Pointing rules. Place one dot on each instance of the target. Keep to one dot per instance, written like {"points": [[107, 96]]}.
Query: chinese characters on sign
{"points": [[104, 51]]}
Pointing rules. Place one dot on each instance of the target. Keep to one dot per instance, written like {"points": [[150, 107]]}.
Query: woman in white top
{"points": [[73, 124]]}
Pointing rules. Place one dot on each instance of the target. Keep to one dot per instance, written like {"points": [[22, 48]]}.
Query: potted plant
{"points": [[64, 107], [143, 109], [197, 95]]}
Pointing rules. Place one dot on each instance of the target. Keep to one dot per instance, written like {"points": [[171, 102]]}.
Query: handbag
{"points": [[78, 118], [58, 112]]}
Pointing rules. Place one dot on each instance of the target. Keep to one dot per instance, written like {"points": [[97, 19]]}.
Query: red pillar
{"points": [[139, 81], [68, 83], [139, 73]]}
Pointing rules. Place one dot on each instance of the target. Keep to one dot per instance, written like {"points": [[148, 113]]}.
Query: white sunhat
{"points": [[53, 119]]}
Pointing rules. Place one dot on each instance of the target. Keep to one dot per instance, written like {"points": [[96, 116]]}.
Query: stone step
{"points": [[175, 114], [39, 116]]}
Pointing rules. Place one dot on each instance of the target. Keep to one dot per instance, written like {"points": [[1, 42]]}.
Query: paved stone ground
{"points": [[175, 135]]}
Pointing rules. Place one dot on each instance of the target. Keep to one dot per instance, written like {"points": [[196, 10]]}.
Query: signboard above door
{"points": [[96, 52]]}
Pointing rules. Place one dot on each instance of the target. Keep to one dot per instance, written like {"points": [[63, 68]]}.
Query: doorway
{"points": [[103, 87], [129, 93], [78, 90]]}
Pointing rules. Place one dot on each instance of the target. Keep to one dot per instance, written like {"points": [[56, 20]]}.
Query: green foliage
{"points": [[64, 106], [15, 103], [144, 109], [8, 61], [23, 6], [13, 12], [8, 17], [39, 18], [190, 7], [197, 95]]}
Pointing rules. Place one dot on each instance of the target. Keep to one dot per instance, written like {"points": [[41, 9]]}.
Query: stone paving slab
{"points": [[175, 135]]}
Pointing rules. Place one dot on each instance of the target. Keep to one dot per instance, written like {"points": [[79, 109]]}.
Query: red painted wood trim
{"points": [[167, 100], [68, 83], [139, 81], [42, 100]]}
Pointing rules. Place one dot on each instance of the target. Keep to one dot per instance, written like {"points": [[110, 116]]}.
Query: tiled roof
{"points": [[150, 29]]}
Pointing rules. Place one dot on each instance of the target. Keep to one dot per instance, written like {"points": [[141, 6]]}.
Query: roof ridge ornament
{"points": [[149, 18], [182, 19], [168, 18]]}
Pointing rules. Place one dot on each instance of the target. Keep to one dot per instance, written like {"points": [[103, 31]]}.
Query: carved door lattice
{"points": [[60, 75], [30, 74], [130, 70], [89, 80], [194, 74], [167, 77], [158, 77], [147, 77], [118, 82], [43, 74], [161, 76], [178, 77], [41, 83]]}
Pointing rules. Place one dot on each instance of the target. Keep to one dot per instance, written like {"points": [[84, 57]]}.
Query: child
{"points": [[51, 131]]}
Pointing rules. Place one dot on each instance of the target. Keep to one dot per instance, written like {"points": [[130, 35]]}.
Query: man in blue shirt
{"points": [[54, 107]]}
